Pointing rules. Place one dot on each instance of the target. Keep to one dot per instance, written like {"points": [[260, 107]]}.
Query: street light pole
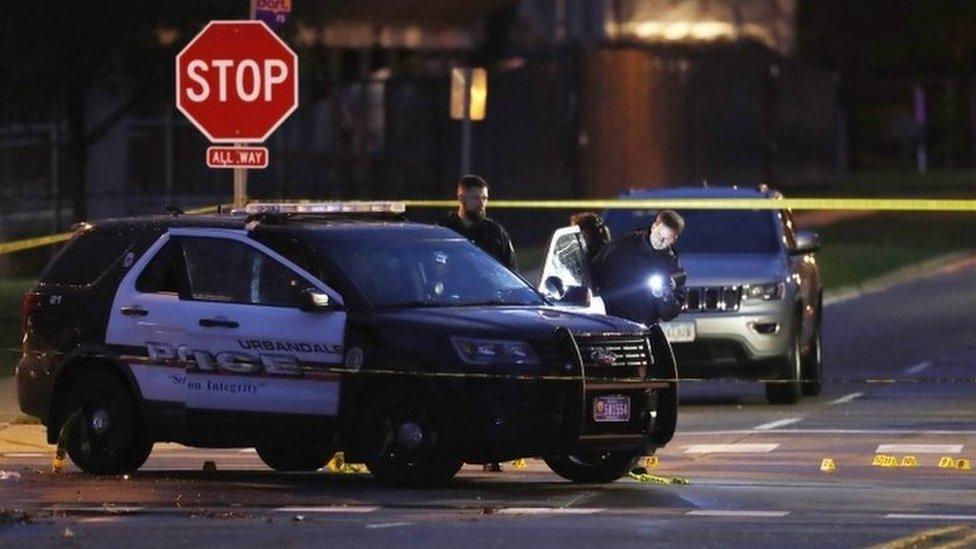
{"points": [[466, 125]]}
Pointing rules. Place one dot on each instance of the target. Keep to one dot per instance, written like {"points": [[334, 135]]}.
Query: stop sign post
{"points": [[237, 81]]}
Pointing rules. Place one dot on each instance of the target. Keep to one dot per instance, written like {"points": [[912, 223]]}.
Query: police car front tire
{"points": [[107, 437], [594, 467], [408, 440], [294, 457]]}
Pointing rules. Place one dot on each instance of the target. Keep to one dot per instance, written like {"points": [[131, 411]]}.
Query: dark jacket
{"points": [[621, 272], [487, 235]]}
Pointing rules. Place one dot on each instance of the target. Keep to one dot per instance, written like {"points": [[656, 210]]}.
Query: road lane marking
{"points": [[919, 449], [328, 509], [550, 510], [918, 367], [387, 525], [909, 516], [752, 514], [24, 455], [778, 423], [247, 451], [735, 448], [846, 398]]}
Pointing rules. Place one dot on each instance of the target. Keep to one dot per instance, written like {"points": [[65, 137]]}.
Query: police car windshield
{"points": [[709, 231], [427, 273]]}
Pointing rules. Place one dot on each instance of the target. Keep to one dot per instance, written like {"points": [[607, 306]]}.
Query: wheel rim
{"points": [[98, 427]]}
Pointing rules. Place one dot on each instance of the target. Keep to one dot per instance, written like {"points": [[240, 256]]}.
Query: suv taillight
{"points": [[27, 307]]}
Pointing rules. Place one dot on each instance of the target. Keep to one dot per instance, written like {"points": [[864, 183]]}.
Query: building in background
{"points": [[586, 98]]}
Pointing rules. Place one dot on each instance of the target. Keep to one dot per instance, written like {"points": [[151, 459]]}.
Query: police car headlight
{"points": [[494, 351], [764, 292]]}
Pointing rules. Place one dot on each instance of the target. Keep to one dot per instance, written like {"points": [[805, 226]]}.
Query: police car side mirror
{"points": [[554, 288], [314, 301], [579, 296], [807, 242]]}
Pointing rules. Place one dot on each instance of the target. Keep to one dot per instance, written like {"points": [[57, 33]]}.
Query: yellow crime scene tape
{"points": [[41, 241], [862, 204]]}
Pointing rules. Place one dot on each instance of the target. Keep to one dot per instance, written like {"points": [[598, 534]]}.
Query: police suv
{"points": [[304, 329]]}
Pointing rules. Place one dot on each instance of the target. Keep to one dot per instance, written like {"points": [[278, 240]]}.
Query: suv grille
{"points": [[713, 299], [618, 357]]}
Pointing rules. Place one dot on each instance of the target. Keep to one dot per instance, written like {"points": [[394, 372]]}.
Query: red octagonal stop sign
{"points": [[236, 81]]}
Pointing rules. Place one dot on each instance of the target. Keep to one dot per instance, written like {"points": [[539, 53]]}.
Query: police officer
{"points": [[639, 276], [471, 221], [595, 233]]}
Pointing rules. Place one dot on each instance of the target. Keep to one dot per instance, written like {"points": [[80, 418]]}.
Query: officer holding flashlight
{"points": [[639, 276]]}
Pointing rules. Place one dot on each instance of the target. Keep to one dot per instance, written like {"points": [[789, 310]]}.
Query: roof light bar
{"points": [[393, 207]]}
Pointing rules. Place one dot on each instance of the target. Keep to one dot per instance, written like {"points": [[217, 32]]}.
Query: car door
{"points": [[255, 350], [566, 263], [145, 329]]}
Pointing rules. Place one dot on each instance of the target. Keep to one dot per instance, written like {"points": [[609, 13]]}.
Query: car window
{"points": [[709, 231], [227, 270], [567, 260], [165, 273], [86, 257], [410, 273]]}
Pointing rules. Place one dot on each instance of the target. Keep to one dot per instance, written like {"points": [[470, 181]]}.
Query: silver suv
{"points": [[755, 300]]}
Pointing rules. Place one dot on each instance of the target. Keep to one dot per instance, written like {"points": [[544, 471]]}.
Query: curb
{"points": [[903, 275]]}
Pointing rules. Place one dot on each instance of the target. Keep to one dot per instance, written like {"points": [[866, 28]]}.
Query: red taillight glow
{"points": [[27, 307]]}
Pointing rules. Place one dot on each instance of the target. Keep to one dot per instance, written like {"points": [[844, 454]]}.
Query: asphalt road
{"points": [[901, 369]]}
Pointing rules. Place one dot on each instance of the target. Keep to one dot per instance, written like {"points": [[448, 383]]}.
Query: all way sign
{"points": [[237, 157]]}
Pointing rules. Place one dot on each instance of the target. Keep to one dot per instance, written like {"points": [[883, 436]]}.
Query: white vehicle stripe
{"points": [[778, 423], [846, 398], [736, 448], [757, 514], [919, 449]]}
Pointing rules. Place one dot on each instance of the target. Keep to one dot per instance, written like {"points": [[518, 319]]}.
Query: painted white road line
{"points": [[387, 525], [247, 451], [778, 423], [549, 510], [753, 514], [918, 367], [736, 448], [24, 455], [846, 398], [910, 516], [328, 509], [919, 449]]}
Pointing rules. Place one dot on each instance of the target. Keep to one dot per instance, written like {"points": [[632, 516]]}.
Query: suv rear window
{"points": [[86, 257]]}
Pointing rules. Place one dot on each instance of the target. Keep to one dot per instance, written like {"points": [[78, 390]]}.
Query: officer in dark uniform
{"points": [[470, 220], [639, 276]]}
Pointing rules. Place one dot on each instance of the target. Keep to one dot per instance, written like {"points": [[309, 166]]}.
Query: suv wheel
{"points": [[294, 457], [788, 388], [407, 440], [813, 361], [107, 437], [594, 467]]}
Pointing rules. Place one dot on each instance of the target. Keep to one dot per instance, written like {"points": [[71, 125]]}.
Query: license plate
{"points": [[611, 408], [679, 332]]}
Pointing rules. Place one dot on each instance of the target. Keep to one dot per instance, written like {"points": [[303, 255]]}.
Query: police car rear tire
{"points": [[107, 437], [594, 467], [294, 457], [408, 440]]}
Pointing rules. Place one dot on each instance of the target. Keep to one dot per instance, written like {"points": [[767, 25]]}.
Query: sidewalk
{"points": [[9, 408]]}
